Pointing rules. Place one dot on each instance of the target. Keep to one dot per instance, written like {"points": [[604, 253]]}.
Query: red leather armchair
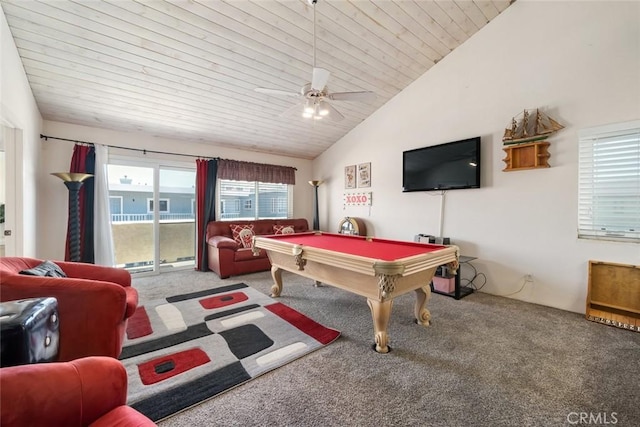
{"points": [[91, 391], [94, 303]]}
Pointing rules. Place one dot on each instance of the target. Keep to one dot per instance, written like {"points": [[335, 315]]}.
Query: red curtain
{"points": [[201, 186], [206, 172]]}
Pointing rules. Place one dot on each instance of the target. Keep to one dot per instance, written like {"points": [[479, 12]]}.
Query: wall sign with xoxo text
{"points": [[357, 199]]}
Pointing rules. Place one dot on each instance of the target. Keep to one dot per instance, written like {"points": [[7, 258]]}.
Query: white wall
{"points": [[579, 62], [56, 157], [19, 113]]}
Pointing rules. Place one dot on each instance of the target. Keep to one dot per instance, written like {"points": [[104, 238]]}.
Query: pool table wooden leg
{"points": [[276, 289], [423, 295], [380, 311]]}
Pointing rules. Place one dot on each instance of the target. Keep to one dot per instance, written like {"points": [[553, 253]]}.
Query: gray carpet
{"points": [[484, 361]]}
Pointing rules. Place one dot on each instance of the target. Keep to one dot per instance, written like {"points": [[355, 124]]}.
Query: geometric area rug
{"points": [[182, 350]]}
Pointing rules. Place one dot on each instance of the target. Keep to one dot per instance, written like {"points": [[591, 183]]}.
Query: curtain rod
{"points": [[142, 150]]}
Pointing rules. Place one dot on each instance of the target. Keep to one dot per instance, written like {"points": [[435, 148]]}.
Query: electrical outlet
{"points": [[528, 278]]}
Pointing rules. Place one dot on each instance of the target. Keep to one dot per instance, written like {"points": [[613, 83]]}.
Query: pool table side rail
{"points": [[284, 237]]}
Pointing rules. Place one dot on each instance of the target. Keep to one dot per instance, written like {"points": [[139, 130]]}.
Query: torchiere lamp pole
{"points": [[74, 182], [316, 216]]}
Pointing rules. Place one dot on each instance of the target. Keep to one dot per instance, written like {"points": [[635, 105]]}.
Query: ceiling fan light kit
{"points": [[323, 108], [315, 109], [315, 94]]}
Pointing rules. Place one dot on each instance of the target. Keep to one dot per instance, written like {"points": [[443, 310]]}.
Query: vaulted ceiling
{"points": [[188, 69]]}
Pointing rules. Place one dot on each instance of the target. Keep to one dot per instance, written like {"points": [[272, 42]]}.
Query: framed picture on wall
{"points": [[350, 176], [364, 175]]}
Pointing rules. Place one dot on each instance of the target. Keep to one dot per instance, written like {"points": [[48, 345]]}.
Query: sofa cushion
{"points": [[283, 229], [46, 269], [243, 234]]}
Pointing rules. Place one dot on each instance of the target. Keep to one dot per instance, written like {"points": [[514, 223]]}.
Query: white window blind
{"points": [[609, 182], [256, 199]]}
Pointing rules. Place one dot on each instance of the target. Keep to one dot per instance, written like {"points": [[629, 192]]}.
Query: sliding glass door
{"points": [[132, 225], [176, 211], [152, 216]]}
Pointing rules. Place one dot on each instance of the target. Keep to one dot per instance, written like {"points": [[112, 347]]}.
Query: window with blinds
{"points": [[249, 200], [609, 182]]}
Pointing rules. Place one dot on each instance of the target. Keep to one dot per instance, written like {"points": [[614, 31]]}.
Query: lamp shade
{"points": [[72, 176]]}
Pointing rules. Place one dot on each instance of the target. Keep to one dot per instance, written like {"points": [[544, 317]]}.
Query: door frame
{"points": [[12, 141]]}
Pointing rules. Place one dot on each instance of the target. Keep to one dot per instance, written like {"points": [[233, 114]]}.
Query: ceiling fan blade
{"points": [[333, 113], [353, 96], [294, 109], [320, 79], [276, 92]]}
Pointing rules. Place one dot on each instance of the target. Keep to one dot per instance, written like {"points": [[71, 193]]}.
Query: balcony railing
{"points": [[120, 218], [236, 215], [229, 215], [117, 218], [135, 245]]}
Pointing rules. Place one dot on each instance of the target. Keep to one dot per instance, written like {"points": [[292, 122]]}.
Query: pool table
{"points": [[377, 269]]}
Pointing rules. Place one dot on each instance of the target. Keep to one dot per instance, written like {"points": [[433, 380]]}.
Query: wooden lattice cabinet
{"points": [[614, 295]]}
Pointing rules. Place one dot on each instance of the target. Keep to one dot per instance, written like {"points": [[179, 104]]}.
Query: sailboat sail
{"points": [[530, 126]]}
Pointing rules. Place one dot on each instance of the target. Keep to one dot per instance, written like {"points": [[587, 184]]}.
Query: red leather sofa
{"points": [[91, 391], [94, 303], [228, 258]]}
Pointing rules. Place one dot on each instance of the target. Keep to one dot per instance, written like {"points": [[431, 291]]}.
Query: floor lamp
{"points": [[316, 216], [74, 182]]}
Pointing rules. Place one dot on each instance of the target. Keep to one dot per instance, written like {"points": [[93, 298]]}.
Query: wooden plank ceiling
{"points": [[188, 69]]}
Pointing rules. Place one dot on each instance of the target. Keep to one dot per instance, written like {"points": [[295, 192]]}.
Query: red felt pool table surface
{"points": [[382, 249]]}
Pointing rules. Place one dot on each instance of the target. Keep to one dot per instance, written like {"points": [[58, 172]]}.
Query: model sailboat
{"points": [[530, 126]]}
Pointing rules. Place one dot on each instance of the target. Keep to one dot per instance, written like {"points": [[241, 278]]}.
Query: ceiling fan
{"points": [[315, 95]]}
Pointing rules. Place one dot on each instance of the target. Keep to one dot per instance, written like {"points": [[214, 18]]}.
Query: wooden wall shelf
{"points": [[532, 155]]}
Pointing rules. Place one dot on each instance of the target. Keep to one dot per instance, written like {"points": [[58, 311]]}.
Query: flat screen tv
{"points": [[451, 166]]}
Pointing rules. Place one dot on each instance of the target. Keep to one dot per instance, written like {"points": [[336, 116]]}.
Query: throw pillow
{"points": [[283, 229], [243, 234], [47, 268]]}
